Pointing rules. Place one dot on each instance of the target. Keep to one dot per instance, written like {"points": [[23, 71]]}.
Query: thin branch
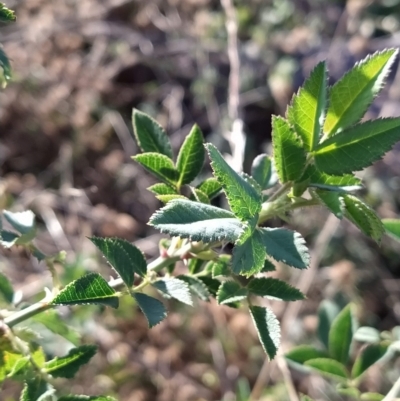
{"points": [[394, 391]]}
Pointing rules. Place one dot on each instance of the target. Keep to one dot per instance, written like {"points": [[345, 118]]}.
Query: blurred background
{"points": [[79, 67]]}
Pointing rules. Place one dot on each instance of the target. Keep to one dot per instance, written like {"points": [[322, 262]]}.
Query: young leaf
{"points": [[86, 398], [198, 221], [6, 289], [68, 365], [197, 287], [332, 200], [195, 265], [191, 156], [230, 291], [272, 287], [150, 136], [168, 198], [327, 312], [286, 246], [244, 199], [307, 111], [249, 256], [369, 355], [160, 166], [175, 288], [89, 289], [211, 187], [392, 227], [341, 335], [268, 329], [200, 196], [6, 15], [363, 217], [328, 367], [261, 171], [351, 96], [220, 267], [162, 189], [304, 353], [152, 308], [357, 147], [34, 389], [268, 267], [289, 155], [123, 256]]}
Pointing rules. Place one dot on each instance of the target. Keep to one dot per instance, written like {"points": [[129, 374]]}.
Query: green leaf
{"points": [[53, 322], [304, 353], [351, 96], [268, 267], [368, 355], [6, 67], [169, 198], [318, 179], [249, 256], [289, 155], [372, 397], [328, 367], [327, 312], [220, 267], [68, 365], [162, 189], [6, 289], [150, 136], [197, 287], [230, 291], [211, 187], [160, 166], [307, 111], [306, 398], [152, 308], [363, 217], [200, 196], [367, 335], [89, 289], [86, 398], [268, 329], [6, 15], [123, 256], [174, 288], [286, 246], [243, 198], [332, 200], [191, 156], [211, 283], [273, 287], [392, 227], [35, 389], [198, 221], [195, 265], [341, 335], [261, 171], [357, 147]]}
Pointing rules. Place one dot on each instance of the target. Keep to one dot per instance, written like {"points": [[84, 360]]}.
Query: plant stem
{"points": [[394, 391]]}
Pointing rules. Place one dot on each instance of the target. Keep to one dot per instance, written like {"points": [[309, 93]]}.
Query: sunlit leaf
{"points": [[197, 287], [392, 227], [230, 291], [174, 288], [332, 200], [162, 189], [273, 287], [211, 187]]}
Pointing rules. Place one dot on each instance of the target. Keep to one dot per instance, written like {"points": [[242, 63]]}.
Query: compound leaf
{"points": [[175, 288], [211, 187], [151, 307], [230, 291], [307, 111], [328, 367], [68, 365], [123, 256], [244, 199], [273, 287], [368, 355], [268, 329], [286, 246], [150, 136], [357, 147], [191, 156], [89, 289], [160, 166], [351, 96], [261, 171], [198, 221], [363, 217], [392, 227]]}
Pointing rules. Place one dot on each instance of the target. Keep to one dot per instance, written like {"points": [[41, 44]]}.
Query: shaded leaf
{"points": [[168, 198], [328, 367], [150, 136], [160, 166], [230, 291], [5, 76], [6, 15], [368, 355], [351, 96], [89, 289], [221, 267], [392, 227], [68, 365], [124, 257], [162, 189], [261, 171], [198, 221], [289, 155], [200, 196], [286, 246], [304, 353], [195, 265], [152, 308], [332, 200], [86, 398], [268, 329], [191, 156], [357, 147], [197, 287], [211, 283], [175, 288], [8, 238], [307, 111], [268, 267], [211, 187], [34, 389], [273, 287], [327, 312], [244, 199], [6, 289]]}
